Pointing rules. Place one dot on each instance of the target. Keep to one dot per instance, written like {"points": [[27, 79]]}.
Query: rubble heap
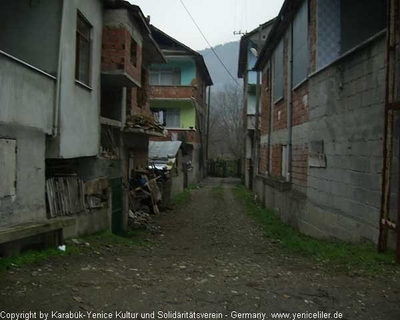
{"points": [[142, 121]]}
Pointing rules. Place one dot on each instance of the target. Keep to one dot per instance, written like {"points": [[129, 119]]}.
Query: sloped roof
{"points": [[244, 40], [135, 11], [162, 149], [171, 46], [282, 22]]}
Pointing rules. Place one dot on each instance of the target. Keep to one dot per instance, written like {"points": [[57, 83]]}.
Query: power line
{"points": [[212, 49]]}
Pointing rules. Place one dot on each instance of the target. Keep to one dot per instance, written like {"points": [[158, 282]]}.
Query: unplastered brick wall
{"points": [[181, 135], [300, 104], [263, 159], [140, 157], [265, 103], [116, 52], [279, 116], [172, 91], [276, 160], [138, 102], [300, 165]]}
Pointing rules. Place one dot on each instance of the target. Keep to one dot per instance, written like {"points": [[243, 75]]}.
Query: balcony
{"points": [[26, 94]]}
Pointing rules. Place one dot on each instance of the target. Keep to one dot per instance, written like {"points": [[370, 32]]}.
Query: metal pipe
{"points": [[59, 74], [388, 126], [270, 117], [290, 107]]}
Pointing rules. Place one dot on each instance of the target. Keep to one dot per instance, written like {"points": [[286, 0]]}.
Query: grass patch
{"points": [[128, 238], [181, 198], [362, 258], [31, 257], [218, 192], [96, 241]]}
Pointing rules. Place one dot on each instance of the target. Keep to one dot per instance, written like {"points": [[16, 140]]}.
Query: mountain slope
{"points": [[228, 53]]}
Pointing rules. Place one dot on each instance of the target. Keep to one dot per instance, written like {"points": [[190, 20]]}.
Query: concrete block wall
{"points": [[342, 107], [347, 113]]}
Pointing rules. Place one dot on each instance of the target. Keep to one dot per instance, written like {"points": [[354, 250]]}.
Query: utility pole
{"points": [[257, 115], [208, 124]]}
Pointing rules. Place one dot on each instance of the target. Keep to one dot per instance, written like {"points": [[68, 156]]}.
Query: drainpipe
{"points": [[270, 118], [290, 106], [56, 108]]}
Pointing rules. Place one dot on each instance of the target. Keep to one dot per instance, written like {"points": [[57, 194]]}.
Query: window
{"points": [[133, 52], [170, 118], [328, 32], [301, 55], [165, 77], [343, 25], [278, 71], [83, 49]]}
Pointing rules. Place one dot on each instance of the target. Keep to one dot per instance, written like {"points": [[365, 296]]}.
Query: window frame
{"points": [[300, 45], [158, 73], [165, 112], [134, 52], [88, 39], [280, 96]]}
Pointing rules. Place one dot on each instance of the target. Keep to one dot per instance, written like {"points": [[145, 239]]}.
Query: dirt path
{"points": [[211, 257]]}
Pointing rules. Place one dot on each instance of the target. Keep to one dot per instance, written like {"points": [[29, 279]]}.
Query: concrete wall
{"points": [[345, 114], [26, 95], [177, 185], [90, 222], [79, 105], [29, 202], [26, 115], [30, 31]]}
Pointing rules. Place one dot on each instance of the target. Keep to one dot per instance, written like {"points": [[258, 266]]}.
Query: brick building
{"points": [[249, 46], [178, 93], [71, 136], [322, 117]]}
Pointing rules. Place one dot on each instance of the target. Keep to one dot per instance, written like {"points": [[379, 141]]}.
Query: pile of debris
{"points": [[138, 219], [142, 220], [145, 122]]}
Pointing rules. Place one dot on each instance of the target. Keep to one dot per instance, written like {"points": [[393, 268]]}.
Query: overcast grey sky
{"points": [[217, 18]]}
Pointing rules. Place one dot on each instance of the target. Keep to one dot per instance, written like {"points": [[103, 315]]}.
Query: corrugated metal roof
{"points": [[161, 149]]}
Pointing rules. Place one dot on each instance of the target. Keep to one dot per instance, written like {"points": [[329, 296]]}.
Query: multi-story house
{"points": [[126, 121], [250, 45], [322, 119], [50, 96], [69, 87], [178, 99]]}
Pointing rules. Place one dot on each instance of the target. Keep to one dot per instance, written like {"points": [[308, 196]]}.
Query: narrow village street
{"points": [[210, 257]]}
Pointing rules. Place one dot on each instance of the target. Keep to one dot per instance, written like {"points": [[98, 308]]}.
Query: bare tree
{"points": [[226, 123]]}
